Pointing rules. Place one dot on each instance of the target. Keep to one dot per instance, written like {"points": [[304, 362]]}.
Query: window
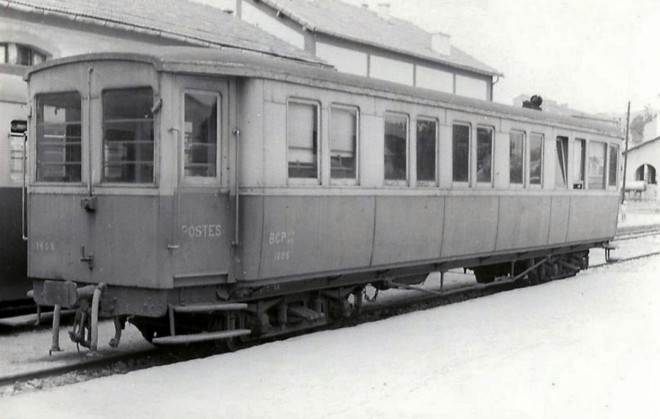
{"points": [[426, 150], [579, 159], [302, 136], [396, 147], [461, 153], [128, 135], [17, 131], [58, 137], [561, 167], [646, 172], [516, 157], [343, 142], [613, 165], [535, 159], [201, 129], [3, 53], [484, 155], [596, 165]]}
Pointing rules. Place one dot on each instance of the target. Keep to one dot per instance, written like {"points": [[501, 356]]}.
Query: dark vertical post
{"points": [[625, 156]]}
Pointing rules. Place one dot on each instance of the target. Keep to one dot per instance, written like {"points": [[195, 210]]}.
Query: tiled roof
{"points": [[180, 20], [363, 25]]}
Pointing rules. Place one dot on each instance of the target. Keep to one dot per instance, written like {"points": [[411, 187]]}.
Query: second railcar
{"points": [[14, 283], [244, 195]]}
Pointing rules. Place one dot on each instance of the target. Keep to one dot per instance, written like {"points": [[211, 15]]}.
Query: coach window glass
{"points": [[516, 157], [596, 165], [484, 155], [201, 134], [461, 153], [613, 165], [396, 146], [302, 136], [561, 163], [128, 135], [58, 137], [579, 158], [343, 142], [427, 134], [535, 159]]}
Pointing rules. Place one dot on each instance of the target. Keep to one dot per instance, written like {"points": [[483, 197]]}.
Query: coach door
{"points": [[203, 199]]}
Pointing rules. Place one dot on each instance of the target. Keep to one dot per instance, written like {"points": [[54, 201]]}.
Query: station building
{"points": [[372, 43], [642, 165]]}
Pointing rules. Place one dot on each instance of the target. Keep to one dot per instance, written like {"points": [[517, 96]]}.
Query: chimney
{"points": [[384, 11], [441, 43]]}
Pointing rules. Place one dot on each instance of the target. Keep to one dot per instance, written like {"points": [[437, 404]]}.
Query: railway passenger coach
{"points": [[211, 194], [14, 282]]}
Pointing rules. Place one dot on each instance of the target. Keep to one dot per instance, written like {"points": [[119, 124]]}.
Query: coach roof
{"points": [[231, 62]]}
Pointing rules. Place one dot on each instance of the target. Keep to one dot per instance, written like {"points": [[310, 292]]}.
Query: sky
{"points": [[593, 55]]}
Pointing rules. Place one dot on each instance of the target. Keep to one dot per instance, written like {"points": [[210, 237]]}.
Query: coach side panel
{"points": [[292, 228]]}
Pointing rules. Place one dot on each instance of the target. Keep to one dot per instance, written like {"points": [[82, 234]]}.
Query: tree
{"points": [[638, 123]]}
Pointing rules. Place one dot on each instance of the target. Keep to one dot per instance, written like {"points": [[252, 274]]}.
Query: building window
{"points": [[58, 137], [561, 167], [596, 165], [646, 172], [19, 54], [128, 135], [579, 159], [427, 135], [516, 157], [343, 142], [484, 155], [201, 127], [302, 136], [461, 153], [396, 147], [535, 159], [613, 165]]}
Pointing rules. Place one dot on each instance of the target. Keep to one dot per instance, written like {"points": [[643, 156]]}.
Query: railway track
{"points": [[420, 298]]}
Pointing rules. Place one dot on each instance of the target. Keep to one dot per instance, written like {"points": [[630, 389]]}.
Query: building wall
{"points": [[366, 60], [649, 154]]}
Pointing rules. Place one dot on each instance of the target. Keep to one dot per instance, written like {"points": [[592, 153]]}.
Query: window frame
{"points": [[155, 122], [460, 183], [590, 144], [398, 182], [475, 139], [300, 180], [611, 147], [202, 180], [578, 175], [529, 183], [435, 181], [524, 174], [33, 146], [565, 141], [345, 181]]}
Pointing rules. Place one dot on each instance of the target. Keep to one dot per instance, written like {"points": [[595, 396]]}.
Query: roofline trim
{"points": [[309, 26], [635, 147]]}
